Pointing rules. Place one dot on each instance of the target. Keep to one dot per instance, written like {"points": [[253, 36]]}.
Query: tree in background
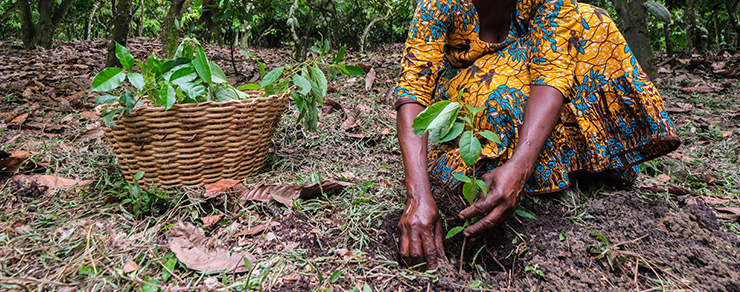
{"points": [[170, 27], [50, 15], [634, 19], [121, 25]]}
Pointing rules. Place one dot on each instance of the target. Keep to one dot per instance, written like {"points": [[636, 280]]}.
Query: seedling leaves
{"points": [[441, 114], [202, 66], [124, 56], [454, 231], [271, 77], [524, 213], [470, 148], [108, 79]]}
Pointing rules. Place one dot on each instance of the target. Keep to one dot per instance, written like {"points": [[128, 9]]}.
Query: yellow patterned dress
{"points": [[612, 118]]}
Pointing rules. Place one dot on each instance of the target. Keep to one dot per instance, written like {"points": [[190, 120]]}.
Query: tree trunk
{"points": [[668, 41], [49, 20], [691, 15], [634, 18], [88, 24], [732, 13], [27, 25], [170, 29], [140, 31], [121, 25]]}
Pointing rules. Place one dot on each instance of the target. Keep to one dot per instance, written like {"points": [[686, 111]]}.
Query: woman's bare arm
{"points": [[420, 228]]}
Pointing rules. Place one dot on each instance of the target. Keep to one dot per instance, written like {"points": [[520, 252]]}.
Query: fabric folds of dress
{"points": [[613, 117]]}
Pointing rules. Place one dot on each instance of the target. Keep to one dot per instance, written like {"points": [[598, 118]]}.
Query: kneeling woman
{"points": [[560, 87]]}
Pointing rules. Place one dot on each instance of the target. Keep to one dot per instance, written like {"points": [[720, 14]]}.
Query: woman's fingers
{"points": [[493, 219], [404, 247], [439, 237], [415, 250], [430, 250], [479, 208]]}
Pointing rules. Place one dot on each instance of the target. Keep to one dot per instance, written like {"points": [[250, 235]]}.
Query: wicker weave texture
{"points": [[196, 144]]}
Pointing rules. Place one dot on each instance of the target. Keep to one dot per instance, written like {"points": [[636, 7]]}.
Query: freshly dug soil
{"points": [[670, 247]]}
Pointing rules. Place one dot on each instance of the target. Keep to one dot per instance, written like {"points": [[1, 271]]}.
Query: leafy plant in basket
{"points": [[307, 78], [446, 121], [189, 77]]}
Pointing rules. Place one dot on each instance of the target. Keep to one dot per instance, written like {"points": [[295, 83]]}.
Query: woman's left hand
{"points": [[505, 184]]}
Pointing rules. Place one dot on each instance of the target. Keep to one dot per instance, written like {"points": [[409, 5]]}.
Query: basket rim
{"points": [[99, 108]]}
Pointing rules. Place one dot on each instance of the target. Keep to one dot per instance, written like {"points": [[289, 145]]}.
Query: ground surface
{"points": [[675, 230]]}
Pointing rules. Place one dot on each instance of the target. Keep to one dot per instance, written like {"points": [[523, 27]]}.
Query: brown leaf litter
{"points": [[192, 248]]}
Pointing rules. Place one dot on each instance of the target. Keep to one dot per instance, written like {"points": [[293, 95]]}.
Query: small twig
{"points": [[462, 252], [34, 280], [494, 257], [87, 249]]}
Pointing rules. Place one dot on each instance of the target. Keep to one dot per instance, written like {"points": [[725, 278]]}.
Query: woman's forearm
{"points": [[541, 114], [414, 153]]}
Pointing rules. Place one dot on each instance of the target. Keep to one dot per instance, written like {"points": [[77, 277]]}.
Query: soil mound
{"points": [[617, 243]]}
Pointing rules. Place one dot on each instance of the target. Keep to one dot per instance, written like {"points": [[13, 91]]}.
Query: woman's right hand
{"points": [[421, 233]]}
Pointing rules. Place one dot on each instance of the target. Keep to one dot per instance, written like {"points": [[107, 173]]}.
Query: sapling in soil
{"points": [[446, 121]]}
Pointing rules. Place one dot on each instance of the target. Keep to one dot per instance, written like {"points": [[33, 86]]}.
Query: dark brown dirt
{"points": [[676, 248]]}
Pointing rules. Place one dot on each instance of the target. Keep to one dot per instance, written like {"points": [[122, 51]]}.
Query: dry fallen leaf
{"points": [[252, 231], [10, 162], [679, 191], [190, 246], [370, 79], [663, 177], [208, 221], [286, 193], [130, 267], [714, 201], [734, 210], [51, 181], [94, 133], [217, 188]]}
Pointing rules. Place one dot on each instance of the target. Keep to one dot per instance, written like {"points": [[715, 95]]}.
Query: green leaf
{"points": [[226, 93], [303, 83], [170, 264], [106, 98], [456, 130], [319, 79], [454, 231], [335, 276], [601, 237], [137, 80], [482, 186], [108, 79], [562, 236], [217, 73], [200, 62], [167, 96], [271, 77], [250, 86], [461, 177], [491, 136], [438, 115], [473, 110], [340, 55], [524, 213], [470, 148], [468, 192], [355, 71], [108, 117], [139, 175], [184, 77], [124, 56]]}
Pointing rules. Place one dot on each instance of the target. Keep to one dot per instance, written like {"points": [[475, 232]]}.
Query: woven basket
{"points": [[196, 144]]}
